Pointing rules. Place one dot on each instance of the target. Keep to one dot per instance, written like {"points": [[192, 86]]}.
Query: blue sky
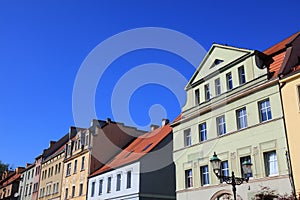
{"points": [[44, 43]]}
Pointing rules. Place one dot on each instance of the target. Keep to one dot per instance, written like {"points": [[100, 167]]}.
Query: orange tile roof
{"points": [[276, 65], [281, 45], [137, 149], [178, 118]]}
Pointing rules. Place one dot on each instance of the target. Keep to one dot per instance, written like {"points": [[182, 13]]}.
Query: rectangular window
{"points": [[217, 87], [59, 165], [93, 189], [68, 169], [207, 92], [271, 163], [118, 186], [242, 76], [224, 169], [188, 178], [75, 166], [241, 117], [197, 97], [30, 189], [66, 194], [264, 110], [82, 163], [202, 132], [108, 184], [100, 187], [221, 125], [187, 137], [229, 81], [242, 160], [204, 175], [80, 189], [73, 191], [128, 184]]}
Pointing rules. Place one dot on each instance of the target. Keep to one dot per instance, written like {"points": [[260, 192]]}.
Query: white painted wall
{"points": [[124, 193]]}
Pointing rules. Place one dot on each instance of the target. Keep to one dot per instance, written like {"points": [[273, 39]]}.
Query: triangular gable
{"points": [[217, 57]]}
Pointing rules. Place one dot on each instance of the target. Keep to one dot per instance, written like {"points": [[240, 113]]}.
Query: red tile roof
{"points": [[281, 45], [178, 118], [137, 149], [276, 65], [278, 53], [10, 180]]}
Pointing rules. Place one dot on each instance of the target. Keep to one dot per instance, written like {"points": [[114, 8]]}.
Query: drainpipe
{"points": [[287, 154]]}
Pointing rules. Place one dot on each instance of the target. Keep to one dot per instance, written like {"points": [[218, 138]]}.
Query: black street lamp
{"points": [[232, 180]]}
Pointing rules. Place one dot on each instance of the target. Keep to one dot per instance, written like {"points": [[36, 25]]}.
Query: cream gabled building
{"points": [[233, 108]]}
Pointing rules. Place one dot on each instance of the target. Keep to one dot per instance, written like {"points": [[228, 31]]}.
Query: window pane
{"points": [[118, 187], [242, 77], [265, 110], [197, 97], [204, 175], [229, 81], [187, 137], [217, 87], [224, 168], [221, 125], [93, 189], [207, 92], [271, 163], [100, 187], [108, 184], [242, 160], [241, 118], [188, 178], [202, 132], [128, 185]]}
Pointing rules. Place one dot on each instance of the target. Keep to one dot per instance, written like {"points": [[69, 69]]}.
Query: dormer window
{"points": [[216, 62]]}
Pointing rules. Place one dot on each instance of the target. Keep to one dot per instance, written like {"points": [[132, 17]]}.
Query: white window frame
{"points": [[204, 172], [241, 117], [264, 106], [188, 178], [271, 163], [187, 137], [221, 125]]}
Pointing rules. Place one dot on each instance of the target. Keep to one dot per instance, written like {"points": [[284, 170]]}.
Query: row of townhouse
{"points": [[243, 106]]}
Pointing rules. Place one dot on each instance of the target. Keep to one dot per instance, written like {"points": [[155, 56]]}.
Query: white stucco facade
{"points": [[120, 174]]}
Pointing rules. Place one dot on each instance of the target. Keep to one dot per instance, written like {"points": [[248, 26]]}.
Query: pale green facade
{"points": [[258, 139]]}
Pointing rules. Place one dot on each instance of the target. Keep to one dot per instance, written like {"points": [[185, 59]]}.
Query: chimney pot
{"points": [[164, 122], [153, 127]]}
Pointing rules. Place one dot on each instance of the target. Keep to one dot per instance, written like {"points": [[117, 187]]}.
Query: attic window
{"points": [[146, 147], [216, 62]]}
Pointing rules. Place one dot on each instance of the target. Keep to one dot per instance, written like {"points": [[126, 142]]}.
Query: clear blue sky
{"points": [[43, 44]]}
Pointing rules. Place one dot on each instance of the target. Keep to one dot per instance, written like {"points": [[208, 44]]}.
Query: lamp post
{"points": [[232, 180]]}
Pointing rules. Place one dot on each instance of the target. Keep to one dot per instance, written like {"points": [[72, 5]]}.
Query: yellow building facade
{"points": [[51, 176], [291, 102]]}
